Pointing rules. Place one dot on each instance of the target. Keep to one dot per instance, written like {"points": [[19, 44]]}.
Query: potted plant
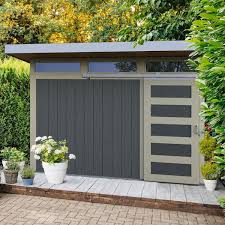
{"points": [[210, 172], [13, 154], [11, 172], [6, 154], [207, 146], [54, 156], [28, 175]]}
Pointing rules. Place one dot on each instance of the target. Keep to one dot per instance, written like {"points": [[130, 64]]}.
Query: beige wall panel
{"points": [[32, 113]]}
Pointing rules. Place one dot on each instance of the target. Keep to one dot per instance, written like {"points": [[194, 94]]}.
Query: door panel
{"points": [[100, 119], [171, 110]]}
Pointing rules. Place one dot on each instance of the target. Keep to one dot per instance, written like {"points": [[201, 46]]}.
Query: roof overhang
{"points": [[29, 52]]}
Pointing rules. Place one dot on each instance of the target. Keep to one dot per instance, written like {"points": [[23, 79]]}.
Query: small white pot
{"points": [[55, 173], [20, 164], [210, 185]]}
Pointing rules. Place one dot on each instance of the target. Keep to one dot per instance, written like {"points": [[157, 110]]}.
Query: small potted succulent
{"points": [[210, 172], [28, 175], [11, 172], [54, 156], [13, 154]]}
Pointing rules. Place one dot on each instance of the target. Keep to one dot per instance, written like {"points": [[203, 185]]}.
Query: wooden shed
{"points": [[126, 111]]}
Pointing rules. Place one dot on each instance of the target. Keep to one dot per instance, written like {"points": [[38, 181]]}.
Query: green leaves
{"points": [[155, 20], [208, 37], [14, 105]]}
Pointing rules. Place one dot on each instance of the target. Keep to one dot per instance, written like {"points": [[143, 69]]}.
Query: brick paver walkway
{"points": [[19, 209]]}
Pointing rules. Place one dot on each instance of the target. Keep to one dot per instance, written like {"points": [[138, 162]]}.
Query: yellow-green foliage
{"points": [[28, 173], [18, 66], [210, 171], [207, 146], [14, 104]]}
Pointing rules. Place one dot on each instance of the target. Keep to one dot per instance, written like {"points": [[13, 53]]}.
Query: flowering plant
{"points": [[48, 150]]}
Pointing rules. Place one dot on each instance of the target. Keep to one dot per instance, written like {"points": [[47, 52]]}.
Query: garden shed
{"points": [[125, 111]]}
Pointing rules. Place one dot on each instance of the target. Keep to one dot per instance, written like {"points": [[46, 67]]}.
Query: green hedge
{"points": [[14, 104]]}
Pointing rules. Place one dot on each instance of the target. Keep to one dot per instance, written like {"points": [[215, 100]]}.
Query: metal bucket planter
{"points": [[10, 176]]}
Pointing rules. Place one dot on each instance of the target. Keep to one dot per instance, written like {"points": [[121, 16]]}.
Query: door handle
{"points": [[196, 130]]}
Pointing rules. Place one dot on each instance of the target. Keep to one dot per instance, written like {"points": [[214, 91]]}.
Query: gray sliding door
{"points": [[100, 119]]}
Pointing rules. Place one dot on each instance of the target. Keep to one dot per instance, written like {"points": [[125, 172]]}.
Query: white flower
{"points": [[37, 157], [33, 148], [72, 156], [38, 150], [49, 137], [44, 138], [38, 139], [133, 9], [57, 151], [140, 23]]}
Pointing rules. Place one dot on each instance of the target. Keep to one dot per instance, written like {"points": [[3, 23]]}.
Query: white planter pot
{"points": [[55, 173], [210, 185], [20, 164]]}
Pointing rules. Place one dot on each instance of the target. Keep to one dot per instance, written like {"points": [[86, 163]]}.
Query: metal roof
{"points": [[28, 52]]}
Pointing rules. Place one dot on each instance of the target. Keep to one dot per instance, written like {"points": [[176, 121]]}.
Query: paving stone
{"points": [[34, 210]]}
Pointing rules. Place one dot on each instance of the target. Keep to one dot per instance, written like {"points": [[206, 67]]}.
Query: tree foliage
{"points": [[208, 37], [107, 18], [59, 21], [138, 20], [43, 21], [157, 20]]}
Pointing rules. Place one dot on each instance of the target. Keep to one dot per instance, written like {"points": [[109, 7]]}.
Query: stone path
{"points": [[21, 209]]}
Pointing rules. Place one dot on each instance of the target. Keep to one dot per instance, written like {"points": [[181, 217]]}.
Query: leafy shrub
{"points": [[12, 166], [222, 202], [14, 105], [28, 173], [220, 159], [208, 146], [210, 171], [208, 37]]}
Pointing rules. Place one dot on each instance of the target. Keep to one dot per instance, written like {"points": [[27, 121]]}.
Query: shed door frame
{"points": [[194, 121]]}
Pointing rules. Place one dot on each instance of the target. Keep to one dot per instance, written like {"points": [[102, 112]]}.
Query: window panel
{"points": [[183, 111], [57, 67], [170, 91], [111, 67], [167, 66], [171, 130], [174, 169], [183, 150]]}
